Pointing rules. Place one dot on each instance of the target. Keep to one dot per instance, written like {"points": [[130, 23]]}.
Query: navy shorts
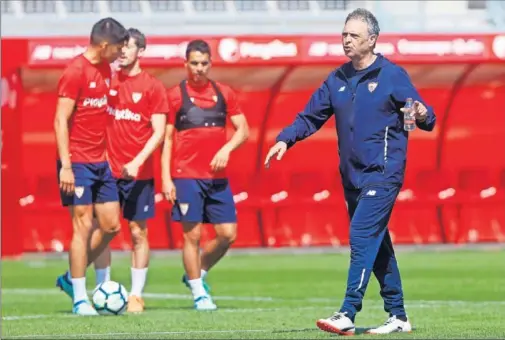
{"points": [[136, 198], [204, 200], [93, 184]]}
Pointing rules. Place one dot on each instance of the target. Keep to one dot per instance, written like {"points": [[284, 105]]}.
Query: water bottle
{"points": [[409, 119]]}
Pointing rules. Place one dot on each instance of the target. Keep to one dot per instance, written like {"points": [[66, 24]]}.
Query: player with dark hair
{"points": [[197, 184], [138, 109], [85, 180]]}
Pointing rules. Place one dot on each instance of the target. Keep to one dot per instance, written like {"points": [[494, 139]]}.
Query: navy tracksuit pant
{"points": [[371, 249]]}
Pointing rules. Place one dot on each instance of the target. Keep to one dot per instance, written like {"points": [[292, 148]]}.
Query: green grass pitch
{"points": [[449, 294]]}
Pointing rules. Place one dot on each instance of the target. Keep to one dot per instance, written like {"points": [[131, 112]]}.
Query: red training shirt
{"points": [[133, 100], [195, 148], [88, 85]]}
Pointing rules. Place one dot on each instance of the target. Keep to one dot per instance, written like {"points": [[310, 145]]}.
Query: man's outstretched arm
{"points": [[316, 112]]}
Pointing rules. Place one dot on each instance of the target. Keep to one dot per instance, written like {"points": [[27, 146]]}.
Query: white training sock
{"points": [[79, 286], [203, 274], [138, 281], [102, 275], [197, 288]]}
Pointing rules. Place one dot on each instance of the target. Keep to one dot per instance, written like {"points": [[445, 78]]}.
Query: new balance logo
{"points": [[341, 89], [371, 193]]}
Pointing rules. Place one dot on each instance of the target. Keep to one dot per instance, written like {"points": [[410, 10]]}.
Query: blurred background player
{"points": [[85, 180], [138, 109], [136, 129], [197, 184], [373, 154]]}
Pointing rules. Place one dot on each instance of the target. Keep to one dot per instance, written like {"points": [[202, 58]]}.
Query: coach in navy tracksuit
{"points": [[366, 96]]}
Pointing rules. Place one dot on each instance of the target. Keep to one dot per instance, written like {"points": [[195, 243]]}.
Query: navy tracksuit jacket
{"points": [[372, 145]]}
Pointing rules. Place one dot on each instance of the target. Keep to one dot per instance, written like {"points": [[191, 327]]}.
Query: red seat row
{"points": [[432, 207], [308, 209]]}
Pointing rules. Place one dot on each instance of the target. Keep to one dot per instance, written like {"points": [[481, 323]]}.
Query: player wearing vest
{"points": [[194, 158]]}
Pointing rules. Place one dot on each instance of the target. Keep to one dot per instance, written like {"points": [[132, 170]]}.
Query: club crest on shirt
{"points": [[372, 86], [184, 208], [79, 191], [136, 96]]}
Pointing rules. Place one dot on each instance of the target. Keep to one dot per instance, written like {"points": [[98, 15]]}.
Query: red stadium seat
{"points": [[248, 210], [473, 184], [160, 237], [249, 233], [482, 214], [270, 190], [314, 215], [415, 222], [500, 194], [48, 228], [242, 186], [47, 190], [262, 187], [435, 186], [438, 191], [415, 218]]}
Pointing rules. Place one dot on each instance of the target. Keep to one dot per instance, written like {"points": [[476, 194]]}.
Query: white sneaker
{"points": [[84, 308], [338, 323], [204, 303], [392, 325]]}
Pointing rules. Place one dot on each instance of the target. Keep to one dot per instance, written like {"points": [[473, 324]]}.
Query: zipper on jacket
{"points": [[386, 147], [353, 93]]}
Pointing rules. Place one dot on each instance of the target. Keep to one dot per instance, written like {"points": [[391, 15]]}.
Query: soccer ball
{"points": [[110, 298]]}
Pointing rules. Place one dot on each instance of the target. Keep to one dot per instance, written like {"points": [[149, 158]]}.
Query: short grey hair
{"points": [[365, 16]]}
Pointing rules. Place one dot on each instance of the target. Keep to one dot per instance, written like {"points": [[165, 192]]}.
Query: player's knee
{"points": [[227, 235], [192, 233], [111, 224], [108, 216], [82, 222], [112, 228], [138, 232], [192, 237], [228, 238]]}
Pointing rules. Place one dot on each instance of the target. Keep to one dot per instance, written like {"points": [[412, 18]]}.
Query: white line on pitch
{"points": [[418, 304], [169, 311], [127, 334], [36, 291], [166, 296]]}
